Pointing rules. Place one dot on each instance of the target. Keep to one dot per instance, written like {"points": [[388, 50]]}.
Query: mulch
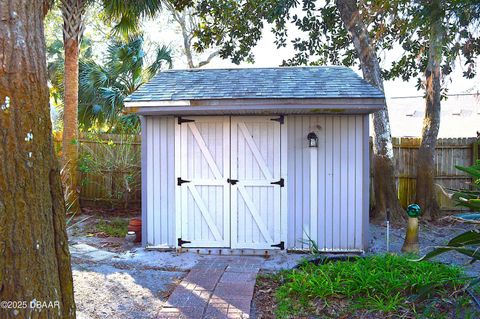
{"points": [[264, 299]]}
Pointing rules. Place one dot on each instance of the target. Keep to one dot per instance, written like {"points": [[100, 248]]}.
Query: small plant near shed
{"points": [[117, 227]]}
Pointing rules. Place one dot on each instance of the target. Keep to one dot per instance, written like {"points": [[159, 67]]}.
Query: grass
{"points": [[117, 227], [382, 284]]}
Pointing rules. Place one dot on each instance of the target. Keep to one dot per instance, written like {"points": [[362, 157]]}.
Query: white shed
{"points": [[255, 159]]}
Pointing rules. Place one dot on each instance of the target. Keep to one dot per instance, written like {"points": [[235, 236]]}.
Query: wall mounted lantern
{"points": [[312, 139]]}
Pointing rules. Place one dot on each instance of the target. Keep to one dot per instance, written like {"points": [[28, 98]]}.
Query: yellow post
{"points": [[411, 245]]}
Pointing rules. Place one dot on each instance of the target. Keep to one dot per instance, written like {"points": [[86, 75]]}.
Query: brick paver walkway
{"points": [[221, 287]]}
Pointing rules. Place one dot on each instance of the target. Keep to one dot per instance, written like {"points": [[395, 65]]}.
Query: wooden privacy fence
{"points": [[109, 169], [106, 184], [448, 153]]}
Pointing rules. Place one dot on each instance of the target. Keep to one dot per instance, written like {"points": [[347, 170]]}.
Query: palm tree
{"points": [[103, 86], [127, 15], [73, 12]]}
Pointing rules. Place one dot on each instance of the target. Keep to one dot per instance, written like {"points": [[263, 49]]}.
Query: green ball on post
{"points": [[411, 245]]}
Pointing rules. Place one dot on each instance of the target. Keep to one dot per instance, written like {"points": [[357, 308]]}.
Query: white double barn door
{"points": [[227, 167]]}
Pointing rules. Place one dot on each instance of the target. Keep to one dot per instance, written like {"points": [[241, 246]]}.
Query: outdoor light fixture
{"points": [[312, 139]]}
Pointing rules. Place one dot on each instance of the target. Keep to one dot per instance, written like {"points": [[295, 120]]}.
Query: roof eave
{"points": [[354, 105]]}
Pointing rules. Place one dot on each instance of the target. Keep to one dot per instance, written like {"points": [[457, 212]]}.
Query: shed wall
{"points": [[158, 176], [340, 181], [337, 171]]}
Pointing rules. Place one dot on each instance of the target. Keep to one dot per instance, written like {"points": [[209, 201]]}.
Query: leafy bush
{"points": [[469, 197], [382, 283], [117, 162]]}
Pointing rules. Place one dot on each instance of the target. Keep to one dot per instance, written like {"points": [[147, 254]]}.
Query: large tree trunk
{"points": [[386, 198], [34, 257], [426, 192], [73, 12]]}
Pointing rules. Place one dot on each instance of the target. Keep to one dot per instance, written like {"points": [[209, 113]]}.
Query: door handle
{"points": [[232, 181]]}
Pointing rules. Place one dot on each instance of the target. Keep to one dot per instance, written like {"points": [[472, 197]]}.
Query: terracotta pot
{"points": [[135, 225]]}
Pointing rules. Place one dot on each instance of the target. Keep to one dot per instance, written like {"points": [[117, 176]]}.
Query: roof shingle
{"points": [[255, 83]]}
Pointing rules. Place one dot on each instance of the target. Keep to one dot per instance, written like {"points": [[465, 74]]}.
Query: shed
{"points": [[255, 159]]}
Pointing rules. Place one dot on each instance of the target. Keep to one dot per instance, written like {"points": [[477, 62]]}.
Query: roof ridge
{"points": [[259, 68]]}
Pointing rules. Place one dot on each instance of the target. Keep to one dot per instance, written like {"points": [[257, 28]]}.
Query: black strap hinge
{"points": [[232, 181], [180, 242], [281, 182], [182, 120], [180, 181], [281, 245], [280, 119]]}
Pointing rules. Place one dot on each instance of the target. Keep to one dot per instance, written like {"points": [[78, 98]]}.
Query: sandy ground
{"points": [[429, 237], [112, 281]]}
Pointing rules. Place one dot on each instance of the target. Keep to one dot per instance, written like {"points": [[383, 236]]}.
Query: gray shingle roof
{"points": [[255, 83]]}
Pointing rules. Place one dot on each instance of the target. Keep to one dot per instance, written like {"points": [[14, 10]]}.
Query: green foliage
{"points": [[117, 227], [126, 15], [321, 38], [384, 283], [469, 197], [113, 32], [467, 243], [117, 161], [104, 86]]}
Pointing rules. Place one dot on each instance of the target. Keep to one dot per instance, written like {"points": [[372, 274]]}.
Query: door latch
{"points": [[232, 181]]}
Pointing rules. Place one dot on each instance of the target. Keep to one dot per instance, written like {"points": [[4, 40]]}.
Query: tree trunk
{"points": [[183, 18], [73, 12], [386, 198], [426, 192], [34, 258]]}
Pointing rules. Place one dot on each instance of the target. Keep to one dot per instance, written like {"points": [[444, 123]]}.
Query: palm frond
{"points": [[163, 56], [127, 14], [104, 86]]}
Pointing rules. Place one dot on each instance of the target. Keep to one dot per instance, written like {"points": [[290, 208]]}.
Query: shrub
{"points": [[118, 162], [382, 283]]}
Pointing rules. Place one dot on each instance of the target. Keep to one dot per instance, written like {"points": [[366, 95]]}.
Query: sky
{"points": [[267, 55]]}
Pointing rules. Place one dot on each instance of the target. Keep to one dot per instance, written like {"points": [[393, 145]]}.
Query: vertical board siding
{"points": [[340, 196], [159, 180]]}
